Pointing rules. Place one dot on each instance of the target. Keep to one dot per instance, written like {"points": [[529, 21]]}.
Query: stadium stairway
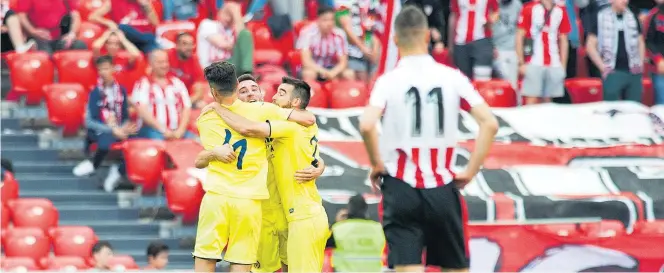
{"points": [[120, 218]]}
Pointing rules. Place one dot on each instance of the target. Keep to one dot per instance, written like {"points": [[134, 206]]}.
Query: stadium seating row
{"points": [[64, 263]]}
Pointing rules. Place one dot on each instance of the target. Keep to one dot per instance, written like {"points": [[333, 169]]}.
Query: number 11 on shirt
{"points": [[435, 97], [241, 144]]}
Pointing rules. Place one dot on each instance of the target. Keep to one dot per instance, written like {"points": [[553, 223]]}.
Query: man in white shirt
{"points": [[420, 101], [226, 39]]}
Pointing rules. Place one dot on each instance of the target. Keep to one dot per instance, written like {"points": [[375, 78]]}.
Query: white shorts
{"points": [[543, 81]]}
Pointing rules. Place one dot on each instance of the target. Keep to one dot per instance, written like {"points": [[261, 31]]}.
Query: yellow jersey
{"points": [[247, 176], [274, 202], [295, 148]]}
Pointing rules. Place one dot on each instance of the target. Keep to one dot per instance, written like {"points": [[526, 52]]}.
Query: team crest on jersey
{"points": [[291, 210], [257, 264]]}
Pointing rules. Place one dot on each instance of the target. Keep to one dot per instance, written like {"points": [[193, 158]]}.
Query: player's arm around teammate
{"points": [[250, 128]]}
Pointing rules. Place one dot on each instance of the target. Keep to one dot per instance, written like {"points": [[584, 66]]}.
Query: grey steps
{"points": [[29, 154], [19, 139], [117, 228], [70, 198], [133, 242], [92, 213], [37, 182], [11, 123], [36, 167]]}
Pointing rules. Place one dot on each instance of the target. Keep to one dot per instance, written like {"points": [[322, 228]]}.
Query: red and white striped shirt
{"points": [[472, 17], [544, 32], [166, 103], [422, 100], [325, 50]]}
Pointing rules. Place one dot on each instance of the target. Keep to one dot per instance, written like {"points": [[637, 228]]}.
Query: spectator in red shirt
{"points": [[112, 42], [13, 38], [324, 49], [136, 18], [185, 66], [52, 24], [470, 35], [162, 101], [542, 50]]}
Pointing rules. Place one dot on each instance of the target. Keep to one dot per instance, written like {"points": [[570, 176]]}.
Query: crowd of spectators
{"points": [[102, 254]]}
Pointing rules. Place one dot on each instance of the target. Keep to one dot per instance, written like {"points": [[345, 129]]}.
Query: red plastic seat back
{"points": [[5, 215], [86, 7], [89, 32], [26, 242], [319, 98], [183, 194], [347, 94], [10, 188], [497, 93], [604, 228], [266, 48], [443, 58], [18, 264], [584, 90], [23, 69], [269, 89], [70, 231], [65, 263], [122, 263], [566, 230], [76, 66], [294, 61], [145, 161], [79, 245], [65, 103], [183, 152], [650, 228], [34, 212]]}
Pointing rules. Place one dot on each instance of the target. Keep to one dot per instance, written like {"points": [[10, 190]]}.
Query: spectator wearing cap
{"points": [[137, 19], [504, 36], [655, 44], [358, 241], [324, 48], [542, 50], [162, 101], [102, 253], [355, 18], [13, 38], [470, 35], [617, 49], [226, 39], [107, 121], [52, 24], [157, 254], [185, 66]]}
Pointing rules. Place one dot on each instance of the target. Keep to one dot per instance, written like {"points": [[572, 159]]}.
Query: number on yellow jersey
{"points": [[241, 144], [315, 161]]}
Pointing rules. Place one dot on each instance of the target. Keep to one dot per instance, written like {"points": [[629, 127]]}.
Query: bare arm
{"points": [[593, 53], [219, 41], [520, 35], [242, 125], [308, 61], [146, 115], [368, 122], [451, 29], [184, 121], [642, 48], [302, 117], [348, 28], [75, 22], [133, 51], [25, 22], [223, 153], [99, 42], [203, 159], [97, 16], [488, 127], [341, 64], [564, 49]]}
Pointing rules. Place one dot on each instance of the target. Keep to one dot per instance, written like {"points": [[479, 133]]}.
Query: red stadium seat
{"points": [[89, 32], [65, 103], [182, 152], [266, 49], [122, 263], [655, 227], [319, 98], [183, 194], [584, 90], [648, 92], [9, 188], [18, 264], [145, 161], [71, 231], [26, 242], [311, 7], [74, 244], [269, 89], [85, 7], [33, 212], [443, 58], [24, 67], [347, 94], [294, 61], [271, 73], [604, 228], [497, 93], [76, 66], [299, 26], [128, 73], [6, 217], [64, 263]]}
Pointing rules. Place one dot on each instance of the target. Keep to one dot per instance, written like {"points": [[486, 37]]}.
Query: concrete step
{"points": [[38, 167], [11, 123], [19, 139], [97, 213], [29, 153], [117, 228], [61, 182], [73, 197], [123, 243]]}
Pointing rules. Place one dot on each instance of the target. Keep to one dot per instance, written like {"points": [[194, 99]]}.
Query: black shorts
{"points": [[415, 219]]}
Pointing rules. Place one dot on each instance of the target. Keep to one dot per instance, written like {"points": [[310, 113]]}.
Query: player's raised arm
{"points": [[238, 123], [222, 153], [299, 116]]}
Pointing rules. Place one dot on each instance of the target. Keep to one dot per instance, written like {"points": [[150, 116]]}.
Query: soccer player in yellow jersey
{"points": [[295, 147], [274, 232], [230, 212]]}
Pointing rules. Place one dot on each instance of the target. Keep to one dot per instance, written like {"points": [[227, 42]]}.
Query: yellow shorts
{"points": [[228, 223], [272, 244], [306, 243]]}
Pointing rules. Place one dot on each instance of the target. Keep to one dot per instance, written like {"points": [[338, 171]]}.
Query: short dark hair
{"points": [[409, 25], [7, 165], [101, 245], [324, 9], [246, 77], [103, 59], [301, 90], [182, 34], [221, 77], [357, 207], [155, 248]]}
